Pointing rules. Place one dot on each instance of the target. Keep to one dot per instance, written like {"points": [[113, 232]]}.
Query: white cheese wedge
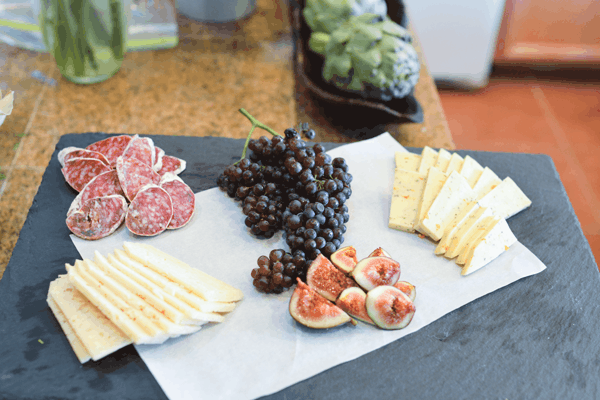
{"points": [[453, 226], [471, 170], [459, 240], [506, 199], [455, 164], [407, 161], [486, 182], [428, 159], [455, 195], [433, 184], [443, 159], [408, 190], [481, 228], [493, 244]]}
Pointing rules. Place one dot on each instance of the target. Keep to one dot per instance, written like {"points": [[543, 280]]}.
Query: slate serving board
{"points": [[536, 338]]}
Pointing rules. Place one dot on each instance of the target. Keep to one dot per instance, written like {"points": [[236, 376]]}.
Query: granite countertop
{"points": [[213, 71]]}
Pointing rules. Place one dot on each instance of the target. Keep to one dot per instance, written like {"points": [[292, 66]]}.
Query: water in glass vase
{"points": [[86, 37]]}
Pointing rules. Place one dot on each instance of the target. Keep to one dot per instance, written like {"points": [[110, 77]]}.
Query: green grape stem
{"points": [[255, 124]]}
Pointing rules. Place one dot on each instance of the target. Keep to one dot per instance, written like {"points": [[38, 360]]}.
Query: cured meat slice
{"points": [[111, 147], [98, 217], [105, 184], [75, 152], [158, 156], [150, 212], [184, 201], [141, 149], [172, 164], [133, 175], [79, 171]]}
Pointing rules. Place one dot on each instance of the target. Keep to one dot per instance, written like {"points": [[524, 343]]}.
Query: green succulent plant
{"points": [[327, 15], [369, 55]]}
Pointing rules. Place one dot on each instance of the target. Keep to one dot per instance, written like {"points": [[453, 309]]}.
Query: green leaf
{"points": [[318, 42], [370, 32], [355, 84]]}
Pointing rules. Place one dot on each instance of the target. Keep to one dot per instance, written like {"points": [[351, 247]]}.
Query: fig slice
{"points": [[345, 259], [311, 309], [326, 279], [352, 301], [371, 272], [389, 308], [407, 288], [380, 252]]}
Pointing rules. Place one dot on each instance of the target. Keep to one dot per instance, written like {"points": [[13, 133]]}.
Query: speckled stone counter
{"points": [[194, 89]]}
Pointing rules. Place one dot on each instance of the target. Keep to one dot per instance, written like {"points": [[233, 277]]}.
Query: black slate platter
{"points": [[536, 338]]}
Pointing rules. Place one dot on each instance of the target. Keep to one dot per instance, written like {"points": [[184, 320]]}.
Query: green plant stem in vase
{"points": [[86, 37]]}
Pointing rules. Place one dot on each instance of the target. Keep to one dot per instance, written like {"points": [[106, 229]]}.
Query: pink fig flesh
{"points": [[345, 259], [380, 252], [326, 279], [389, 308], [407, 288], [352, 301], [314, 311], [376, 271]]}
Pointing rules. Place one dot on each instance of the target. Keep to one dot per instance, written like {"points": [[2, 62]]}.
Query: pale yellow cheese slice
{"points": [[506, 199], [486, 182], [406, 196], [453, 226], [407, 161], [481, 229], [460, 238], [471, 170], [455, 164], [433, 184], [428, 159], [493, 244], [443, 160]]}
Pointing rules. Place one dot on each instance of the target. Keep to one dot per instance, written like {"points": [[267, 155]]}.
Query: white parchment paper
{"points": [[260, 349]]}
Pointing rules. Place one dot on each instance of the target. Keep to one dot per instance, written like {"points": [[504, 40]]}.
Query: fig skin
{"points": [[389, 308], [311, 309], [345, 259], [352, 301], [380, 252], [407, 288], [376, 271], [326, 279]]}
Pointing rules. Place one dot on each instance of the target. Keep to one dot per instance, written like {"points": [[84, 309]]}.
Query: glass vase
{"points": [[87, 38]]}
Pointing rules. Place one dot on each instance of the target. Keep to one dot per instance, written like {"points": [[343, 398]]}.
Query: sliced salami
{"points": [[98, 217], [150, 212], [133, 175], [75, 152], [111, 147], [105, 184], [141, 149], [79, 171], [158, 156], [172, 164], [184, 201]]}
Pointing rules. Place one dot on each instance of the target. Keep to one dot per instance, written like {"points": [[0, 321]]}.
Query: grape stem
{"points": [[255, 124]]}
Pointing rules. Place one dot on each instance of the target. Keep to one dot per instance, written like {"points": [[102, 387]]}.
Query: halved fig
{"points": [[407, 288], [326, 279], [345, 259], [352, 301], [311, 309], [380, 252], [376, 271], [389, 308]]}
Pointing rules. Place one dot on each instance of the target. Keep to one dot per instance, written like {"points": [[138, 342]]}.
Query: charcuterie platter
{"points": [[481, 330]]}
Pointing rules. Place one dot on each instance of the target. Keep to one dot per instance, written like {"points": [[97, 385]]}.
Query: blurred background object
{"points": [[216, 10]]}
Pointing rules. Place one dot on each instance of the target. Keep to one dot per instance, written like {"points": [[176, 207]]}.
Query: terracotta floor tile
{"points": [[594, 241]]}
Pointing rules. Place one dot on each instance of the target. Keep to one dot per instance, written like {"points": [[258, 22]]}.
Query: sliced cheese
{"points": [[407, 161], [486, 182], [202, 284], [460, 238], [506, 199], [481, 228], [443, 159], [455, 164], [453, 226], [428, 159], [433, 184], [408, 190], [97, 334], [471, 170], [488, 248], [455, 195]]}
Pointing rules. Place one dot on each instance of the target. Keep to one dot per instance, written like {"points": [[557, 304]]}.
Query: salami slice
{"points": [[150, 212], [158, 156], [75, 152], [133, 175], [98, 217], [141, 149], [105, 184], [172, 164], [184, 201], [111, 147], [79, 171]]}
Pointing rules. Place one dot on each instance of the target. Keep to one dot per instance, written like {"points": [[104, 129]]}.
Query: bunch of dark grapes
{"points": [[286, 184]]}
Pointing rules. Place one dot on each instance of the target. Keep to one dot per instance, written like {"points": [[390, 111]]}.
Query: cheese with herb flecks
{"points": [[433, 184], [428, 159], [408, 189], [456, 163], [495, 242], [471, 170], [506, 199], [443, 159], [486, 182], [407, 161]]}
